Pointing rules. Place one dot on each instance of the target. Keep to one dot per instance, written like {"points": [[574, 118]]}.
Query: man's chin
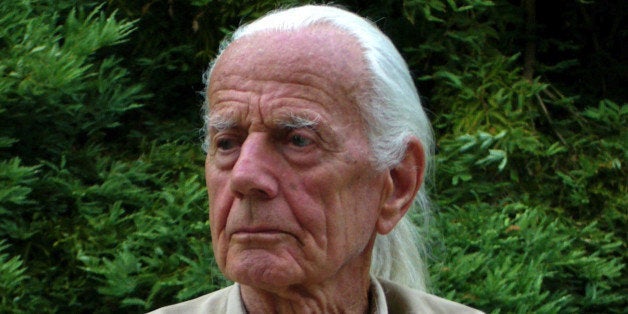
{"points": [[264, 270]]}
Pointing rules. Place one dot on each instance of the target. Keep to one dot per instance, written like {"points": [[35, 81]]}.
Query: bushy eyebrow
{"points": [[294, 121], [220, 123]]}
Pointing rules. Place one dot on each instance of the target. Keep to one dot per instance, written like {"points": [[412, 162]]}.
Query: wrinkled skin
{"points": [[295, 206]]}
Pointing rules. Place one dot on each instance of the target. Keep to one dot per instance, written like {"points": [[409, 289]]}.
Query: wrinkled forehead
{"points": [[320, 51]]}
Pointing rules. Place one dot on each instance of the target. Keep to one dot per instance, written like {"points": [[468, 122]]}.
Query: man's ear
{"points": [[402, 183]]}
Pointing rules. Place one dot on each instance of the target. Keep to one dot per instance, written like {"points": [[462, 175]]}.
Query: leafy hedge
{"points": [[102, 203]]}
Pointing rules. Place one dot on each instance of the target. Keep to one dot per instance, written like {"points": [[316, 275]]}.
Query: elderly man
{"points": [[316, 148]]}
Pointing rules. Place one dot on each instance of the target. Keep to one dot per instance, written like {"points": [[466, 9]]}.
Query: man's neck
{"points": [[345, 292]]}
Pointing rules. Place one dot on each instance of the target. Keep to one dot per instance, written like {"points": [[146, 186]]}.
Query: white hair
{"points": [[392, 114]]}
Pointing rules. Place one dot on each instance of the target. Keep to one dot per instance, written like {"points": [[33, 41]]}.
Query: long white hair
{"points": [[392, 113]]}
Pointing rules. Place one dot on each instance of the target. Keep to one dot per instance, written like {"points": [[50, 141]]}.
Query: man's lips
{"points": [[259, 234], [258, 230], [263, 236], [259, 240]]}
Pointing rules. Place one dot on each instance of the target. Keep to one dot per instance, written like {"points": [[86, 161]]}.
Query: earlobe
{"points": [[402, 183]]}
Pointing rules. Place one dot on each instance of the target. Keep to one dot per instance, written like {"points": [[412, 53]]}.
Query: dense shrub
{"points": [[102, 204]]}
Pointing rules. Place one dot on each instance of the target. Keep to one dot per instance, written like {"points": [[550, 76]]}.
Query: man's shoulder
{"points": [[402, 299], [226, 300]]}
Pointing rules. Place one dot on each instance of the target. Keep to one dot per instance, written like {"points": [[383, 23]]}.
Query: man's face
{"points": [[294, 198]]}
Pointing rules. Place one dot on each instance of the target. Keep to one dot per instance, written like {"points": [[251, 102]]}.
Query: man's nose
{"points": [[253, 175]]}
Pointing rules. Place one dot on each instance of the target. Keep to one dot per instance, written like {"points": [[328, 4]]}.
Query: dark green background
{"points": [[102, 200]]}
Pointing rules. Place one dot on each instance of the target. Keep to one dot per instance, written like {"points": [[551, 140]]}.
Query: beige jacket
{"points": [[388, 297]]}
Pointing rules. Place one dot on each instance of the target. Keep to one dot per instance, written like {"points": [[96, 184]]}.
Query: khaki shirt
{"points": [[387, 297]]}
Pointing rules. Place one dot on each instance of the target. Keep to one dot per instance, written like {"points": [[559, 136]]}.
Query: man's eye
{"points": [[299, 140], [225, 144]]}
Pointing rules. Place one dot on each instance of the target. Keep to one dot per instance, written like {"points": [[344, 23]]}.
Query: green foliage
{"points": [[518, 259], [531, 183], [55, 94], [11, 279], [102, 206]]}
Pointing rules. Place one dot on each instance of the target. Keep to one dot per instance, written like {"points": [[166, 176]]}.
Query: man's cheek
{"points": [[220, 200]]}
